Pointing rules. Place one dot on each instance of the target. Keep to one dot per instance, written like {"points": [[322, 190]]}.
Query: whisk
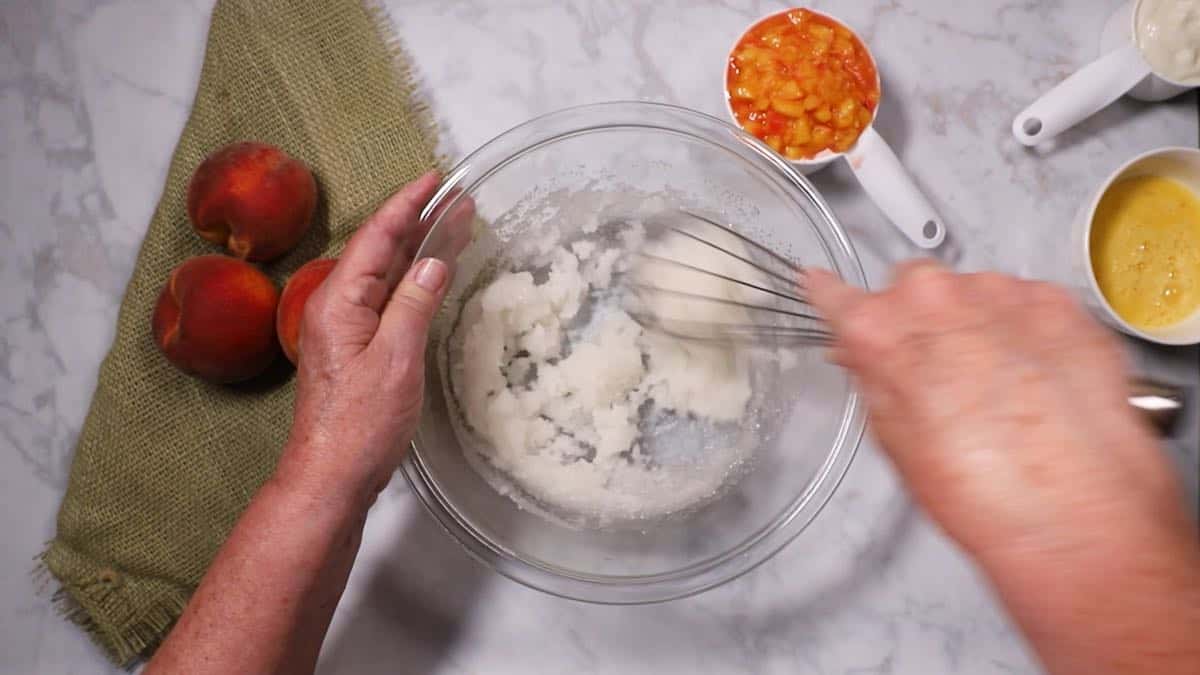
{"points": [[784, 317], [781, 316]]}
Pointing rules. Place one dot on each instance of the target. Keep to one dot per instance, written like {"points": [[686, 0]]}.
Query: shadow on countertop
{"points": [[417, 608], [400, 625]]}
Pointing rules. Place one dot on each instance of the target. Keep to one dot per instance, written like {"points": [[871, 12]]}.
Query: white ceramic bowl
{"points": [[1181, 164]]}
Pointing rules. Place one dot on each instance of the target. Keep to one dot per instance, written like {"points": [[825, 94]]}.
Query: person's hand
{"points": [[1002, 405], [361, 374], [265, 603]]}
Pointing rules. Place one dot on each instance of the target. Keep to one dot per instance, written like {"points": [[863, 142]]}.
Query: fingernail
{"points": [[430, 274]]}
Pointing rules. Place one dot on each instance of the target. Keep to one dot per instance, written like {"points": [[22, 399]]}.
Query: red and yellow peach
{"points": [[252, 198], [215, 319], [291, 304]]}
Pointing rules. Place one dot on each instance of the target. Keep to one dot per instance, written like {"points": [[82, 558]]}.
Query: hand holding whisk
{"points": [[698, 279], [702, 281]]}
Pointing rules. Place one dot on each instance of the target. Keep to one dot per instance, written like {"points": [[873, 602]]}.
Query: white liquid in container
{"points": [[1167, 33]]}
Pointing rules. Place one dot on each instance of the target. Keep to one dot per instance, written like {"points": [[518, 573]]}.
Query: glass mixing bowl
{"points": [[570, 166]]}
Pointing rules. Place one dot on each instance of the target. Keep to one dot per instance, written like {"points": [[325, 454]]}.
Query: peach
{"points": [[215, 319], [252, 198], [291, 303]]}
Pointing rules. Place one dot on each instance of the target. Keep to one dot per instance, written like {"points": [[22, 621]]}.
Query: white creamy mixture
{"points": [[1168, 36], [587, 413]]}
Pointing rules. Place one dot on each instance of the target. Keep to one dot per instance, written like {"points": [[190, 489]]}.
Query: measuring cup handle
{"points": [[893, 190], [1081, 95]]}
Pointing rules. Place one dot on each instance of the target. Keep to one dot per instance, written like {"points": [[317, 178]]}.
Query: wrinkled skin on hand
{"points": [[1002, 404], [361, 374]]}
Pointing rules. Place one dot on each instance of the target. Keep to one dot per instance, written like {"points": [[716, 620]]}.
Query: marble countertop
{"points": [[93, 94]]}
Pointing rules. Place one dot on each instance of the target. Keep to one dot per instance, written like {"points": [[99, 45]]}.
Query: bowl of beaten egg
{"points": [[1140, 244]]}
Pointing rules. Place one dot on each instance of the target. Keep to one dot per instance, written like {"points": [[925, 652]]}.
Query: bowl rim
{"points": [[774, 535]]}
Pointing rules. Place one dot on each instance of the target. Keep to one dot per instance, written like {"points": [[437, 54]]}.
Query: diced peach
{"points": [[215, 319], [803, 83], [843, 140], [744, 56], [789, 89], [800, 132], [794, 152], [788, 108], [762, 58], [844, 118], [821, 34]]}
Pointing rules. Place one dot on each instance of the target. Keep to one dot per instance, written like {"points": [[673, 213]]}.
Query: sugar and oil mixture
{"points": [[581, 410]]}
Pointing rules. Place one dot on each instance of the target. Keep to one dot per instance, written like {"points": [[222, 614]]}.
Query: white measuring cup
{"points": [[873, 162], [1122, 70]]}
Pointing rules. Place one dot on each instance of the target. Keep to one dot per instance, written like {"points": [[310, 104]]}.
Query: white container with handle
{"points": [[876, 166], [1124, 69]]}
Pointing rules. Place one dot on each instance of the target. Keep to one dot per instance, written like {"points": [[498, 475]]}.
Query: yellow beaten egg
{"points": [[1145, 250]]}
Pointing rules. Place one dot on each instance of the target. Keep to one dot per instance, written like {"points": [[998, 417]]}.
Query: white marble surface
{"points": [[93, 94]]}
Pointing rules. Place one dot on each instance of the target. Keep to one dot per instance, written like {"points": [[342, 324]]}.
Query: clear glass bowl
{"points": [[568, 158]]}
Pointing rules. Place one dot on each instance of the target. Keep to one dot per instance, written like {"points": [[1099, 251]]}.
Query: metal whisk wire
{"points": [[811, 332], [1160, 402]]}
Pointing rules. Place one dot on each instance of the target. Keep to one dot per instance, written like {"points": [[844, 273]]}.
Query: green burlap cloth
{"points": [[166, 463]]}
